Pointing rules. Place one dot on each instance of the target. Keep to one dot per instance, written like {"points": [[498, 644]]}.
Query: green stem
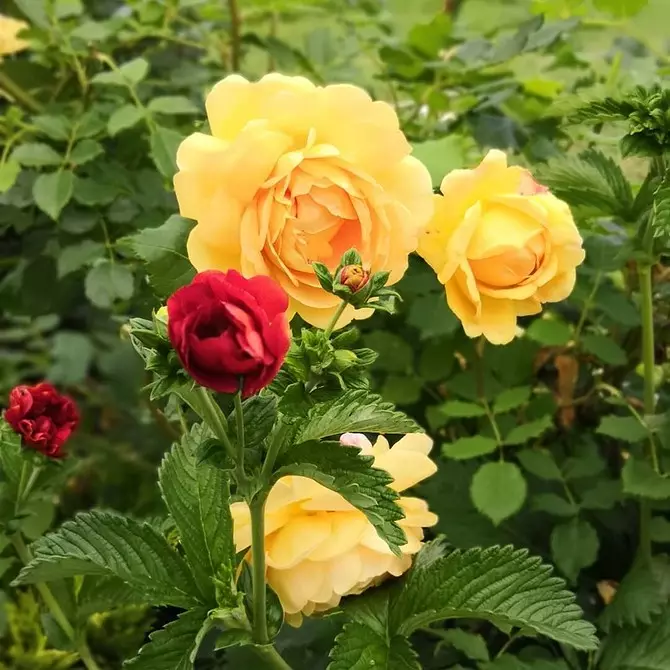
{"points": [[272, 658], [273, 452], [18, 93], [86, 656], [212, 415], [239, 419], [257, 510], [235, 35], [44, 591], [336, 317]]}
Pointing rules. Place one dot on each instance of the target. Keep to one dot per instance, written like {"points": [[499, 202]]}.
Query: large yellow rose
{"points": [[9, 29], [295, 173], [319, 548], [502, 245]]}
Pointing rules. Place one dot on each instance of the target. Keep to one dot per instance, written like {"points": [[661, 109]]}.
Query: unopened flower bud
{"points": [[354, 277]]}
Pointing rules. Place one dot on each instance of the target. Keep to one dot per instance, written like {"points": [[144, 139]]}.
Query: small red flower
{"points": [[226, 328], [354, 276], [43, 417]]}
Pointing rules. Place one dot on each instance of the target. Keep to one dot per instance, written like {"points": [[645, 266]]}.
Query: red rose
{"points": [[225, 327], [43, 417]]}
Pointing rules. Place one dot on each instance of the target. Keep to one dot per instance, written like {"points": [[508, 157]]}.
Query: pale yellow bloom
{"points": [[9, 42], [295, 173], [502, 245], [319, 548]]}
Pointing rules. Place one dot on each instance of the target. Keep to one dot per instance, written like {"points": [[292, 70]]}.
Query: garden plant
{"points": [[334, 334]]}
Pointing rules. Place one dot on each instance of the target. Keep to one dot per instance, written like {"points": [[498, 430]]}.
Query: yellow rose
{"points": [[319, 548], [502, 245], [295, 173], [9, 29]]}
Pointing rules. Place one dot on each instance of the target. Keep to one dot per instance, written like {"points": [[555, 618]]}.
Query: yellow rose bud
{"points": [[354, 277], [319, 548], [162, 314], [295, 173], [9, 29], [502, 245]]}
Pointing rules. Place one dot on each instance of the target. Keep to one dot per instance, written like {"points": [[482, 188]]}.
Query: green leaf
{"points": [[574, 546], [123, 118], [639, 647], [469, 447], [626, 428], [541, 463], [163, 249], [9, 172], [84, 151], [57, 127], [640, 595], [172, 647], [260, 415], [128, 74], [461, 410], [36, 154], [640, 479], [172, 104], [395, 354], [510, 399], [498, 490], [359, 647], [605, 348], [473, 646], [621, 8], [53, 191], [502, 585], [103, 543], [529, 431], [549, 332], [588, 463], [660, 529], [107, 282], [443, 155], [604, 494], [72, 356], [76, 256], [355, 412], [198, 499], [553, 504], [163, 143], [346, 471], [11, 456], [104, 594]]}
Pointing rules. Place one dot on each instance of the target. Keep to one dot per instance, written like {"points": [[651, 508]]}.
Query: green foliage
{"points": [[498, 490]]}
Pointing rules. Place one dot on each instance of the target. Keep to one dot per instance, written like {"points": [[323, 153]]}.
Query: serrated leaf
{"points": [[163, 249], [36, 154], [639, 596], [574, 546], [626, 428], [551, 503], [510, 399], [470, 644], [123, 118], [541, 463], [53, 191], [198, 499], [469, 447], [621, 8], [588, 463], [172, 647], [359, 647], [355, 412], [529, 431], [163, 143], [107, 282], [604, 494], [57, 127], [103, 543], [84, 151], [640, 479], [104, 594], [639, 647], [346, 471], [605, 348], [260, 415], [550, 332], [11, 454], [607, 109], [502, 585], [172, 104], [128, 74], [76, 256], [498, 490]]}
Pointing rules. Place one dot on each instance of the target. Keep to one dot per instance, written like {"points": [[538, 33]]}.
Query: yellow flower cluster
{"points": [[319, 548], [9, 42]]}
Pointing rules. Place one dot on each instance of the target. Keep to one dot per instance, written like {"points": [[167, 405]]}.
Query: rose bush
{"points": [[43, 417], [319, 548], [226, 328], [502, 245], [295, 173]]}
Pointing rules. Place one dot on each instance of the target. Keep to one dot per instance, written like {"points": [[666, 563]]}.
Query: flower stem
{"points": [[257, 510], [235, 37], [336, 317], [648, 364], [239, 419], [86, 656], [212, 415], [272, 658], [18, 93]]}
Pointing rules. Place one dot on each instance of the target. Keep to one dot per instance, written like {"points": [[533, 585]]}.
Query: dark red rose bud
{"points": [[43, 417], [354, 277], [226, 328]]}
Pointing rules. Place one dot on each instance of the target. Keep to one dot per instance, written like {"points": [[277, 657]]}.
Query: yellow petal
{"points": [[295, 541], [346, 531], [498, 320]]}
